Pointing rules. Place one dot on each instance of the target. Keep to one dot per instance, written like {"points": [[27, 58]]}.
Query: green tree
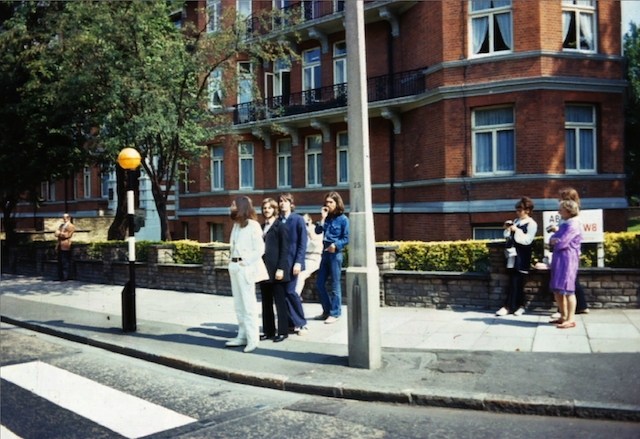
{"points": [[41, 136], [146, 80], [632, 126]]}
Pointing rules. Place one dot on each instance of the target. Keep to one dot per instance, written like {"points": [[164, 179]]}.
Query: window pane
{"points": [[494, 117], [587, 161], [484, 157], [579, 113], [570, 145], [343, 164], [311, 169], [505, 157]]}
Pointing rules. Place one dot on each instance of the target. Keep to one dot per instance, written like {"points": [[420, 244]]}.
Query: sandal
{"points": [[566, 325], [556, 321]]}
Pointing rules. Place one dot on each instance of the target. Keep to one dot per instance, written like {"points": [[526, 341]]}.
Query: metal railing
{"points": [[301, 12], [379, 88]]}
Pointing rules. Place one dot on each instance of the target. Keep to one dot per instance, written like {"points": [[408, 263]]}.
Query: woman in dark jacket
{"points": [[276, 240]]}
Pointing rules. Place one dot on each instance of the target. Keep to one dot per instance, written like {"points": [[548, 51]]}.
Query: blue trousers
{"points": [[330, 267]]}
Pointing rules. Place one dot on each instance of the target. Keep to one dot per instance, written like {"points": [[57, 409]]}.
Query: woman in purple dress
{"points": [[564, 264]]}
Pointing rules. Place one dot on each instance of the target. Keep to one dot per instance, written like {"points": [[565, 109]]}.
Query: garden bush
{"points": [[443, 256]]}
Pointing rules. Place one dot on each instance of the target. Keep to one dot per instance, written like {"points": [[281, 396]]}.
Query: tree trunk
{"points": [[11, 238], [118, 228]]}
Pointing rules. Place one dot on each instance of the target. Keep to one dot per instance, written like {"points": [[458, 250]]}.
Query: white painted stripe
{"points": [[5, 433], [125, 414]]}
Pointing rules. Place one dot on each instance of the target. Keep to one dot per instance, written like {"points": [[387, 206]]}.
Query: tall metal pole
{"points": [[129, 160], [363, 284], [129, 291]]}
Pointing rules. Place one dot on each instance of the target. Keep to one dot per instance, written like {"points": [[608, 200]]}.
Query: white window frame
{"points": [[497, 232], [246, 165], [495, 130], [495, 10], [576, 128], [244, 90], [86, 182], [311, 74], [582, 11], [215, 90], [216, 154], [214, 15], [283, 148], [342, 158], [216, 232], [48, 190], [313, 160], [339, 68], [244, 8], [105, 183], [183, 175]]}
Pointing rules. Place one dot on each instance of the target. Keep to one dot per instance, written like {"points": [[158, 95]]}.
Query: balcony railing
{"points": [[379, 88], [301, 12]]}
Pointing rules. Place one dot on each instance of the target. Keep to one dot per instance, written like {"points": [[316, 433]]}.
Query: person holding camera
{"points": [[564, 264], [582, 307], [335, 226], [519, 234]]}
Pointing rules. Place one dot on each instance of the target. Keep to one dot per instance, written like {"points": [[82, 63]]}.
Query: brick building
{"points": [[472, 104]]}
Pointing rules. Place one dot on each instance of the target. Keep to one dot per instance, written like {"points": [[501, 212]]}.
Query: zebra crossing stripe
{"points": [[125, 414], [5, 433]]}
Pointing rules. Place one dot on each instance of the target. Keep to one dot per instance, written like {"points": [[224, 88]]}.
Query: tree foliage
{"points": [[151, 77], [110, 74], [41, 135], [632, 127]]}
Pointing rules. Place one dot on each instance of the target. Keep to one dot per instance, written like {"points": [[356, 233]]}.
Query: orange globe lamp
{"points": [[129, 159]]}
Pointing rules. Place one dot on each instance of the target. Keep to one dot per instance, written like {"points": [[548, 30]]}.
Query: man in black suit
{"points": [[276, 258], [297, 249]]}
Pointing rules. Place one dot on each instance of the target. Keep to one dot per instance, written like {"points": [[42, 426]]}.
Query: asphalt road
{"points": [[77, 391]]}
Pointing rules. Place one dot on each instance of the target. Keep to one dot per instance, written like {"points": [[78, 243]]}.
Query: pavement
{"points": [[455, 358]]}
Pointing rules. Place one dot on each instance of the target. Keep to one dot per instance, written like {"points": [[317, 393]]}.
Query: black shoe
{"points": [[265, 337], [279, 338]]}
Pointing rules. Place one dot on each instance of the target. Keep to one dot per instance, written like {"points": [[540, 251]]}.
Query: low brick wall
{"points": [[604, 287]]}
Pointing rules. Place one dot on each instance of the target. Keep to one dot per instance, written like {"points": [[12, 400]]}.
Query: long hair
{"points": [[243, 211], [339, 203]]}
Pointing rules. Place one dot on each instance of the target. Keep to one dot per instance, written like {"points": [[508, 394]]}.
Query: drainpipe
{"points": [[392, 144]]}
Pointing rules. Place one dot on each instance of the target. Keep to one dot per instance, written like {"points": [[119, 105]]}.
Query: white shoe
{"points": [[519, 312], [556, 315], [302, 331], [235, 342], [502, 312], [330, 320], [250, 347]]}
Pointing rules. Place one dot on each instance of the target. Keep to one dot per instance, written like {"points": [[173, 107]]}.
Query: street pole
{"points": [[129, 160], [363, 280]]}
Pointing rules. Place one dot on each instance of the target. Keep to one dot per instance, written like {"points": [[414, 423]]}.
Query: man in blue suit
{"points": [[297, 249]]}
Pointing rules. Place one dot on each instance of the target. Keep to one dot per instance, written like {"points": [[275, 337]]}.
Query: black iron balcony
{"points": [[379, 88], [301, 12]]}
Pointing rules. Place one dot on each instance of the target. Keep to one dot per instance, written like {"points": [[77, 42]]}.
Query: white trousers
{"points": [[311, 265], [245, 304]]}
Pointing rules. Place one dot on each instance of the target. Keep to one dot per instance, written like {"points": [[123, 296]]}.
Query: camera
{"points": [[508, 223], [551, 228]]}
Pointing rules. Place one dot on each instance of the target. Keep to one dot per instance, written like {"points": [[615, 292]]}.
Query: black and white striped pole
{"points": [[129, 160]]}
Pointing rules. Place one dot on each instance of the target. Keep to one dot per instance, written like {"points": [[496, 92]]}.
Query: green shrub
{"points": [[443, 256], [621, 250], [120, 250], [186, 252]]}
